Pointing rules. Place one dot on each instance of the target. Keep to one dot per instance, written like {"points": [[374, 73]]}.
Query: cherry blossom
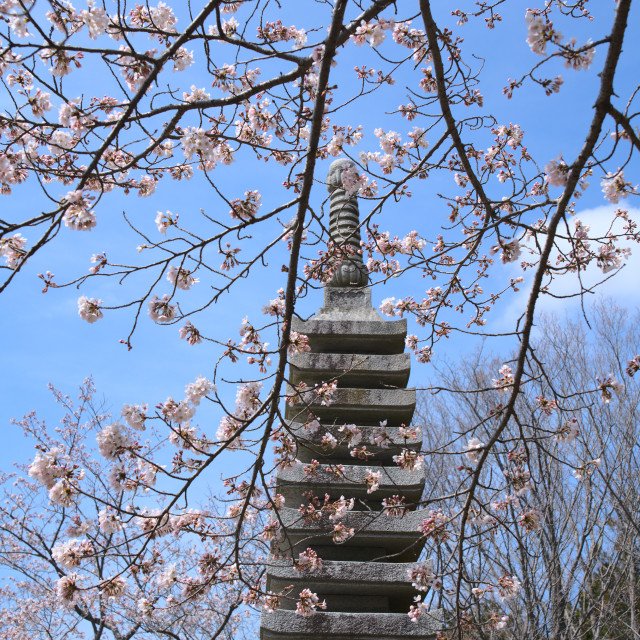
{"points": [[556, 172], [569, 431], [89, 309], [633, 366], [181, 278], [607, 387], [189, 333], [540, 33], [160, 310], [68, 590], [409, 459], [473, 450], [12, 249], [615, 187], [372, 480], [505, 381], [309, 603], [422, 577], [510, 249], [165, 220], [341, 533], [308, 561], [508, 587]]}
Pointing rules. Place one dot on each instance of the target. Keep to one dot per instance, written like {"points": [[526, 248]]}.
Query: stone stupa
{"points": [[363, 580]]}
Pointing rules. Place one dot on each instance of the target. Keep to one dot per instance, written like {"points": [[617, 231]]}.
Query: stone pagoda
{"points": [[364, 579]]}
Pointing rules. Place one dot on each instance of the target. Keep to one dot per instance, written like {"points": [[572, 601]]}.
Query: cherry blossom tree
{"points": [[80, 563], [108, 102]]}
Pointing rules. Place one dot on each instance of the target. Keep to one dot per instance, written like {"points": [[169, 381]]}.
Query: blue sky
{"points": [[46, 341]]}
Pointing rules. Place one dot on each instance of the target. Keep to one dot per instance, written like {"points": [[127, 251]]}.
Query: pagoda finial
{"points": [[344, 230]]}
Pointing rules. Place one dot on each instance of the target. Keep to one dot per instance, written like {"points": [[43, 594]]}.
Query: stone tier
{"points": [[381, 587], [310, 444], [286, 625], [377, 536], [348, 324], [293, 482], [351, 369], [366, 406], [352, 336]]}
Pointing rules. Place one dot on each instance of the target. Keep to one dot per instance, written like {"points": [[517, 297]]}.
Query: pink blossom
{"points": [[633, 366], [165, 220], [113, 440], [12, 249], [189, 333], [96, 19], [417, 610], [586, 470], [308, 561], [308, 603], [568, 432], [67, 590], [341, 533], [77, 215], [473, 450], [505, 381], [394, 507], [540, 32], [510, 249], [508, 587], [409, 459], [578, 57], [298, 343], [434, 526], [372, 480], [423, 577], [134, 415], [71, 553], [160, 310], [353, 434], [181, 278], [110, 522], [246, 209], [615, 187], [182, 59], [197, 390], [557, 172], [340, 508], [89, 309], [387, 307], [607, 387]]}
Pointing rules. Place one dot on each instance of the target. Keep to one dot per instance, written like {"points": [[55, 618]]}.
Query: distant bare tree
{"points": [[562, 482]]}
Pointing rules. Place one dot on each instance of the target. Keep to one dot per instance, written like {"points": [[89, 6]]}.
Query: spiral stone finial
{"points": [[344, 230]]}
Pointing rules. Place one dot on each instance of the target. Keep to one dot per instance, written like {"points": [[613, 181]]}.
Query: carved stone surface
{"points": [[344, 230]]}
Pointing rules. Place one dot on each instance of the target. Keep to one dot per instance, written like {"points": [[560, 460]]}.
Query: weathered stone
{"points": [[294, 481], [352, 336], [366, 406], [347, 324], [309, 443], [344, 230], [349, 626], [382, 587], [397, 537], [351, 369]]}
